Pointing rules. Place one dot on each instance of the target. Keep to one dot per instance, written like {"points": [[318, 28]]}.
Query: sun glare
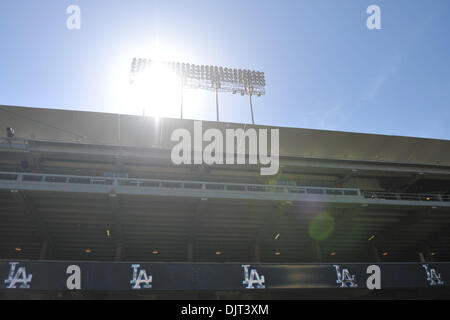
{"points": [[157, 92]]}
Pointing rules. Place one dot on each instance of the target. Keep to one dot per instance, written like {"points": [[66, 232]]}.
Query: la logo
{"points": [[344, 278], [140, 277], [252, 278], [18, 277], [432, 276]]}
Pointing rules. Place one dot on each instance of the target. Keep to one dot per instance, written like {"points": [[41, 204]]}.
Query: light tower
{"points": [[212, 78]]}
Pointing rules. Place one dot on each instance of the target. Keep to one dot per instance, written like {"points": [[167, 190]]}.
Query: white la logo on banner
{"points": [[18, 277], [140, 279], [344, 278], [433, 276], [253, 278]]}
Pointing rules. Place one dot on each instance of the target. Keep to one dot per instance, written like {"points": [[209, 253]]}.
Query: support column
{"points": [[182, 98], [251, 108], [217, 104]]}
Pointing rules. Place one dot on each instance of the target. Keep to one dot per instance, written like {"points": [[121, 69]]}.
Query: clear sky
{"points": [[324, 68]]}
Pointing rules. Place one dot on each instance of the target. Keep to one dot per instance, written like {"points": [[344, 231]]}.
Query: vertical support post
{"points": [[217, 104], [182, 97], [251, 107]]}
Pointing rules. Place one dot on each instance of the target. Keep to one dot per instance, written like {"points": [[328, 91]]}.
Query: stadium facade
{"points": [[101, 190]]}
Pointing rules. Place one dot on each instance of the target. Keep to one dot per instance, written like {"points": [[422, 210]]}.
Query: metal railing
{"points": [[405, 196], [174, 184], [215, 186]]}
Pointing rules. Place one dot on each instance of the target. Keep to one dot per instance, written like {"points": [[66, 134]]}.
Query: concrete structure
{"points": [[93, 186]]}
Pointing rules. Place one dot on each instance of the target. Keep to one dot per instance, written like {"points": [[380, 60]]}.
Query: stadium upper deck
{"points": [[92, 186]]}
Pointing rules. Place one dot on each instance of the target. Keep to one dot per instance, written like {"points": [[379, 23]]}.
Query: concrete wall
{"points": [[137, 131]]}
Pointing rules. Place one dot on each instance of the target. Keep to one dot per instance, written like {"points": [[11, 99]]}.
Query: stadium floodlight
{"points": [[213, 78]]}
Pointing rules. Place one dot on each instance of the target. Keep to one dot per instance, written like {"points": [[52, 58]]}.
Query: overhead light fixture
{"points": [[108, 233], [218, 253], [18, 249], [333, 254], [88, 251], [155, 252], [277, 253], [385, 254], [277, 236], [209, 77], [433, 254], [372, 237]]}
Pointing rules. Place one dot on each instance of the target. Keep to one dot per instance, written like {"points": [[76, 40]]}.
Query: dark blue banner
{"points": [[63, 276]]}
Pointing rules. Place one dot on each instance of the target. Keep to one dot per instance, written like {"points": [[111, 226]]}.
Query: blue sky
{"points": [[324, 68]]}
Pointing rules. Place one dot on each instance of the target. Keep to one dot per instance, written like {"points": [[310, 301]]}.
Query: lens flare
{"points": [[322, 226]]}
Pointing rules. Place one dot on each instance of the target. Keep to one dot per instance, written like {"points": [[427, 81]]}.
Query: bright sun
{"points": [[157, 92]]}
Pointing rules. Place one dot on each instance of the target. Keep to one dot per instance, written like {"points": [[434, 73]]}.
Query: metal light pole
{"points": [[182, 96], [217, 104], [251, 108]]}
